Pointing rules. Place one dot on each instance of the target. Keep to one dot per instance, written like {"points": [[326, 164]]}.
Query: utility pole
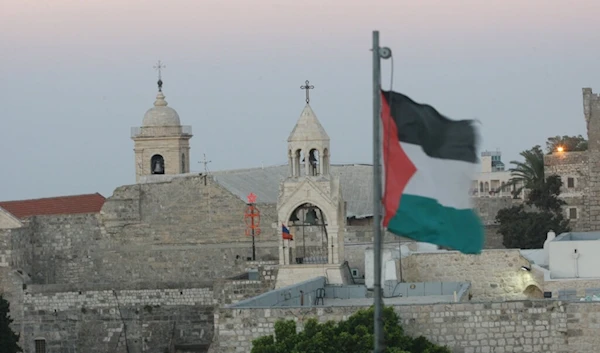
{"points": [[378, 54]]}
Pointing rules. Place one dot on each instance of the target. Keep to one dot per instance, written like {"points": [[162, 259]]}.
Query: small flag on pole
{"points": [[429, 163], [285, 233]]}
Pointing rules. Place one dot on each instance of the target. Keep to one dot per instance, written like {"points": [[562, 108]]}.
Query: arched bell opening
{"points": [[325, 162], [157, 164], [309, 227], [297, 158], [314, 162]]}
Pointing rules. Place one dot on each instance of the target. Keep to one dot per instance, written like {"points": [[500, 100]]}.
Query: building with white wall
{"points": [[492, 177], [574, 255]]}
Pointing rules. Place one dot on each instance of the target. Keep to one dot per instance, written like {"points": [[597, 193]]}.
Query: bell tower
{"points": [[310, 206], [162, 144]]}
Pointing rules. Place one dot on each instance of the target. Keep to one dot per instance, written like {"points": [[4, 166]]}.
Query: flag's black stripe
{"points": [[440, 137]]}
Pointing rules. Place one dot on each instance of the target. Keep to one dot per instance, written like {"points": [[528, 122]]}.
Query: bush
{"points": [[354, 335]]}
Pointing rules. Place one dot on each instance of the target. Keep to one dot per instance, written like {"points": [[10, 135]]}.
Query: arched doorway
{"points": [[533, 292], [309, 227]]}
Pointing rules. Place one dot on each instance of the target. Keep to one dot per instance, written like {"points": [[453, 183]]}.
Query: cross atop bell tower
{"points": [[308, 144], [307, 87]]}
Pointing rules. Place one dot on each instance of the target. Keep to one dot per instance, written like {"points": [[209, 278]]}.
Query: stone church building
{"points": [[144, 269]]}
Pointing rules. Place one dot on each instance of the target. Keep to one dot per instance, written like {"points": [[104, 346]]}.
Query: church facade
{"points": [[144, 270]]}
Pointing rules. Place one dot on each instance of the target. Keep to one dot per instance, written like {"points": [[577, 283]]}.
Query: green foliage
{"points": [[354, 335], [528, 174], [8, 339], [523, 229], [568, 143], [527, 229]]}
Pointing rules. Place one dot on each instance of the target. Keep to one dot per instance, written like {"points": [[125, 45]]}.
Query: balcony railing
{"points": [[160, 131]]}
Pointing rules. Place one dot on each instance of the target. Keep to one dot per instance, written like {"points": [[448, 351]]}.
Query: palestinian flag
{"points": [[429, 164]]}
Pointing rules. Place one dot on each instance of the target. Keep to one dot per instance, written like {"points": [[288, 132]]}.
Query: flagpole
{"points": [[377, 194]]}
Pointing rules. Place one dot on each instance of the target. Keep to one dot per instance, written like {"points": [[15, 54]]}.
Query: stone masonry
{"points": [[572, 167], [591, 110], [494, 274], [505, 327]]}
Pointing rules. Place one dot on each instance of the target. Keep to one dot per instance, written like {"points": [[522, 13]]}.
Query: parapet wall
{"points": [[520, 326], [494, 274], [132, 320]]}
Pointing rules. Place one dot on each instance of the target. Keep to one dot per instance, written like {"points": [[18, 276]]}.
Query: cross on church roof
{"points": [[307, 87], [158, 67]]}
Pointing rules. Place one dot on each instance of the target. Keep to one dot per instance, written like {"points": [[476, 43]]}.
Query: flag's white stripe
{"points": [[447, 181]]}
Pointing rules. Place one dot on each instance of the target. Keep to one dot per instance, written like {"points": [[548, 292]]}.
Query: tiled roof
{"points": [[89, 203]]}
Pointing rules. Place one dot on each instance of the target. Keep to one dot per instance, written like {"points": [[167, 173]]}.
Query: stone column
{"points": [[306, 164], [291, 164], [320, 172]]}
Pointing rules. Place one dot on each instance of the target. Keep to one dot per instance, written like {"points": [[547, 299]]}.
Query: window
{"points": [[570, 182], [354, 272], [572, 213], [40, 346]]}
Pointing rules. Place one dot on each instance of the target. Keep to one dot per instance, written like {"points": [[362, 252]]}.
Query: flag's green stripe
{"points": [[424, 219]]}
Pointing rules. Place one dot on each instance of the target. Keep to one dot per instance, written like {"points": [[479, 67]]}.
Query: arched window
{"points": [[157, 164], [480, 186], [325, 162], [183, 163]]}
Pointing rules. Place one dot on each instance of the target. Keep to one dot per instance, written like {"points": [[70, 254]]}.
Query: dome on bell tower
{"points": [[161, 114], [162, 144]]}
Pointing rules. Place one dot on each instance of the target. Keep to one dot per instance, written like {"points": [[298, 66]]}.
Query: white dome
{"points": [[161, 114]]}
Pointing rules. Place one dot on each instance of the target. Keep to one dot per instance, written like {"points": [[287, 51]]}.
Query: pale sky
{"points": [[76, 75]]}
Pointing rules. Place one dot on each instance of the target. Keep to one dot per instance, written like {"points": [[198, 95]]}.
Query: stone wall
{"points": [[178, 231], [591, 109], [101, 319], [574, 166], [494, 274], [521, 326], [487, 207], [119, 321], [62, 247]]}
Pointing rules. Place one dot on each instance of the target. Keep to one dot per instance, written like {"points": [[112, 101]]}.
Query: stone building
{"points": [[579, 169], [145, 269]]}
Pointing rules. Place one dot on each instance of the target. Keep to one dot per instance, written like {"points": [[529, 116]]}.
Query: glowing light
{"points": [[560, 148]]}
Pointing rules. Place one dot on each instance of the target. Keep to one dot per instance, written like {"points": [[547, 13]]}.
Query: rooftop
{"points": [[315, 292], [356, 182], [75, 204], [575, 236]]}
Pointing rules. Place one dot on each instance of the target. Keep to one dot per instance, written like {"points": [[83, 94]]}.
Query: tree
{"points": [[354, 335], [528, 174], [527, 228], [568, 143], [8, 339]]}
